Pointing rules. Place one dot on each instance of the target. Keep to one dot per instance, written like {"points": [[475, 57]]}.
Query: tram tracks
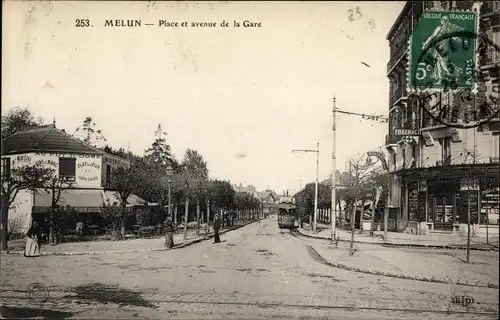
{"points": [[366, 303]]}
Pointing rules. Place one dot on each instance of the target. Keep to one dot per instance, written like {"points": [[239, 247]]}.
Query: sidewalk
{"points": [[436, 240], [429, 266], [124, 246]]}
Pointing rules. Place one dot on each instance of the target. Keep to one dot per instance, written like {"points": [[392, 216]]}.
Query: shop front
{"points": [[443, 197]]}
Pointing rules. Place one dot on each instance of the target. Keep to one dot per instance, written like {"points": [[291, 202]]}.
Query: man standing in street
{"points": [[169, 233], [217, 223]]}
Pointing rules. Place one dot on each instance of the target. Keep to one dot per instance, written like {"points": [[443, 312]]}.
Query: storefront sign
{"points": [[413, 204], [468, 200], [380, 156], [406, 132], [68, 155]]}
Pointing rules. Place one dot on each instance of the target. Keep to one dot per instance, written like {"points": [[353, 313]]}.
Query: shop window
{"points": [[67, 169], [5, 168]]}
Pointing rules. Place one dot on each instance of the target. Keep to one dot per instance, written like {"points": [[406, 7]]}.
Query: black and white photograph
{"points": [[250, 160]]}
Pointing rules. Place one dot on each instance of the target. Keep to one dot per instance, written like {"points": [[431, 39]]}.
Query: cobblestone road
{"points": [[257, 272]]}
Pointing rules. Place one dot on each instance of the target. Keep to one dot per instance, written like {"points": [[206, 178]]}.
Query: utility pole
{"points": [[317, 180], [379, 118], [316, 188], [469, 195], [334, 186]]}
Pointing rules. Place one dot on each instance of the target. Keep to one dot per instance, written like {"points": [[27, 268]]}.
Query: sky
{"points": [[243, 97]]}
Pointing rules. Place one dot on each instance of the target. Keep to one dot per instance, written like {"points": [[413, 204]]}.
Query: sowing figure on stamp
{"points": [[444, 68]]}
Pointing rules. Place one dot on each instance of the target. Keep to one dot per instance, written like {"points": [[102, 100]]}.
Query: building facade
{"points": [[84, 170], [439, 171]]}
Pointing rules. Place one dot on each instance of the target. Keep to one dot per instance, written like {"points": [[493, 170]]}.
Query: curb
{"points": [[315, 255], [399, 245], [179, 246]]}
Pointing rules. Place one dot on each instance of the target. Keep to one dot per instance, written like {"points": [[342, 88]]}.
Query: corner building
{"points": [[438, 171]]}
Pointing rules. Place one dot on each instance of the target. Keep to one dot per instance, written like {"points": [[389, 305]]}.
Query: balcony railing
{"points": [[494, 160], [464, 5], [489, 7], [399, 93], [400, 52], [490, 57]]}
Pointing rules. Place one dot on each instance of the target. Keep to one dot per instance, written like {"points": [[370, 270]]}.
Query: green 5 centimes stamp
{"points": [[439, 57]]}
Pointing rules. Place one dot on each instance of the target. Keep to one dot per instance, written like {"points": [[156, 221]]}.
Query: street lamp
{"points": [[170, 171], [316, 186]]}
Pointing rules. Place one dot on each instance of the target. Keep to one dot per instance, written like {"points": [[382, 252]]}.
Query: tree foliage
{"points": [[20, 177], [18, 119], [90, 133], [160, 151]]}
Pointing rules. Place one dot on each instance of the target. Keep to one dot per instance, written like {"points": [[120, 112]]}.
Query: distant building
{"points": [[431, 168], [86, 168]]}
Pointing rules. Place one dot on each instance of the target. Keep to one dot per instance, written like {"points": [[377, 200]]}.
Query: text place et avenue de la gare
{"points": [[171, 24]]}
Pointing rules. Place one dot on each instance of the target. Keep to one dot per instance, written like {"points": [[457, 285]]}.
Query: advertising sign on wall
{"points": [[87, 166]]}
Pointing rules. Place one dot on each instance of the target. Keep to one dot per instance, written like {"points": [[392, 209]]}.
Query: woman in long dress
{"points": [[33, 241]]}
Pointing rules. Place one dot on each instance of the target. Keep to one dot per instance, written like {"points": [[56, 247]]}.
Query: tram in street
{"points": [[287, 213]]}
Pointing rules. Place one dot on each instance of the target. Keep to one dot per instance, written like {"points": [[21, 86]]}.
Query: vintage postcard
{"points": [[250, 160]]}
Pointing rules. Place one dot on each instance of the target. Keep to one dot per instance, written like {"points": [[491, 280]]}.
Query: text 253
{"points": [[82, 23]]}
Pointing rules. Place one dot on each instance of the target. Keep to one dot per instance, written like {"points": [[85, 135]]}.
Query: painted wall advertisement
{"points": [[87, 166]]}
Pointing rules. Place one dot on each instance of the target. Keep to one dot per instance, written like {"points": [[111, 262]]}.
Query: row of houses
{"points": [[268, 198], [87, 169]]}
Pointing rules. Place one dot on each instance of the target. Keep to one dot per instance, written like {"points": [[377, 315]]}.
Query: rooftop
{"points": [[45, 139]]}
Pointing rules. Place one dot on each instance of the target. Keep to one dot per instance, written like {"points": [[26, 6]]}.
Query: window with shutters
{"points": [[67, 169]]}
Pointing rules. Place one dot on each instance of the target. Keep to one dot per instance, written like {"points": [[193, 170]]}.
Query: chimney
{"points": [[54, 121]]}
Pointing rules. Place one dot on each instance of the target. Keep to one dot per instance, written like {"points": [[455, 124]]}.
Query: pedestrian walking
{"points": [[33, 241], [217, 224], [169, 233]]}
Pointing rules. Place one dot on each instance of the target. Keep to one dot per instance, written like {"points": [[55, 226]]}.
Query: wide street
{"points": [[257, 272]]}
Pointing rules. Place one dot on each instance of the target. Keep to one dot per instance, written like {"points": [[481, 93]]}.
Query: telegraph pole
{"points": [[380, 118], [317, 178], [316, 188], [334, 186]]}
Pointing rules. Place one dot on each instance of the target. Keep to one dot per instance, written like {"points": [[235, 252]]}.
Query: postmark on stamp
{"points": [[446, 71], [37, 292]]}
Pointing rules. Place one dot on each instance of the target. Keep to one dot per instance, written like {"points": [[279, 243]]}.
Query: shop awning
{"points": [[83, 200], [132, 200], [80, 199]]}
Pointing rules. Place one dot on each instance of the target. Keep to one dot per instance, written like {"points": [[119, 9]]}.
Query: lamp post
{"points": [[317, 177], [169, 175]]}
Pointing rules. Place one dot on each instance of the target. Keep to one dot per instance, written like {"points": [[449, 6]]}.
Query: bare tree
{"points": [[360, 184]]}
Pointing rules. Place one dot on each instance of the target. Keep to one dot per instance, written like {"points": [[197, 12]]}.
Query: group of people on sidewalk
{"points": [[34, 237]]}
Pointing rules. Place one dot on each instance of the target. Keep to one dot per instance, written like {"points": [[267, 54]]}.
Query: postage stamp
{"points": [[445, 74]]}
